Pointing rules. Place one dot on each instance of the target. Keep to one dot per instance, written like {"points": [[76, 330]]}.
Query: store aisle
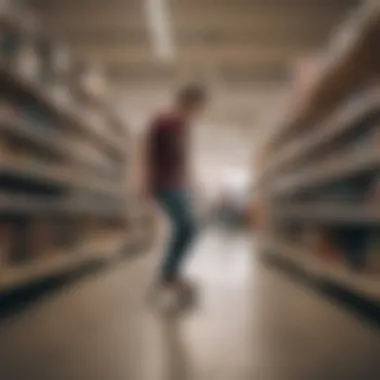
{"points": [[251, 323]]}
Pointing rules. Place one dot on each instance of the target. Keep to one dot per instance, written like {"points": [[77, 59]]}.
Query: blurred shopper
{"points": [[232, 208], [170, 183]]}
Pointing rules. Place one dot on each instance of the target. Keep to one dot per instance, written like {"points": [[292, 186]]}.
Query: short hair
{"points": [[192, 94]]}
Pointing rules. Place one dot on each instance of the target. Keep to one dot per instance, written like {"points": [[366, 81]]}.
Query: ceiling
{"points": [[230, 42]]}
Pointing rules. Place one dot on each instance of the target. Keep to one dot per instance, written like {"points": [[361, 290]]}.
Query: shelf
{"points": [[327, 141], [99, 249], [43, 126], [328, 172], [344, 67], [365, 285], [49, 140], [73, 119], [86, 161], [100, 186], [52, 142], [32, 88], [48, 174], [22, 204], [39, 173], [331, 213], [84, 207], [37, 206], [346, 119], [97, 100]]}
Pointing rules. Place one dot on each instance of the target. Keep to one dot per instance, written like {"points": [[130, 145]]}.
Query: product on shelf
{"points": [[325, 247], [367, 143], [8, 111], [351, 190], [311, 239], [10, 45], [5, 243], [374, 252], [45, 51], [61, 59], [16, 11], [7, 6], [353, 243], [95, 120], [28, 63], [61, 94], [60, 231], [375, 191], [20, 244], [40, 238], [66, 231], [91, 82]]}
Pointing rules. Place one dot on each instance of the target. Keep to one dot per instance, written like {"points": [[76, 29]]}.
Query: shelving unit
{"points": [[319, 179], [63, 158], [366, 286]]}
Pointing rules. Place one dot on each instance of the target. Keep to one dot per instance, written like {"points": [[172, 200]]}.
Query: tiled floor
{"points": [[251, 323]]}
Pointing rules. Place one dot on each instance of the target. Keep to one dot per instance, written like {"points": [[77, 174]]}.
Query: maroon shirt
{"points": [[167, 152]]}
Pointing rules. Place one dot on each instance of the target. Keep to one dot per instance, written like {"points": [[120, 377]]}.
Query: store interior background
{"points": [[247, 52], [258, 317]]}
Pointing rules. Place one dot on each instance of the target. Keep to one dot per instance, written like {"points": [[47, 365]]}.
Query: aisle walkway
{"points": [[252, 323]]}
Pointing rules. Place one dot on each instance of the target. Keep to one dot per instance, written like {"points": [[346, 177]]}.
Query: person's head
{"points": [[191, 100]]}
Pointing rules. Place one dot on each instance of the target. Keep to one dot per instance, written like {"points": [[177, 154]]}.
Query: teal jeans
{"points": [[176, 204]]}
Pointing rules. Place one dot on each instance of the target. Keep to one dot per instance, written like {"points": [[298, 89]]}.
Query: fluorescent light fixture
{"points": [[159, 25]]}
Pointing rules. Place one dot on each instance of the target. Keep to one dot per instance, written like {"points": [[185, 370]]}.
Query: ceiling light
{"points": [[160, 30]]}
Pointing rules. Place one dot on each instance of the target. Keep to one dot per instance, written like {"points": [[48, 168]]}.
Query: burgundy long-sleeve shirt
{"points": [[167, 158]]}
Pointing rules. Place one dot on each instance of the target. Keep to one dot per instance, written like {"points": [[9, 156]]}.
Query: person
{"points": [[169, 179]]}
